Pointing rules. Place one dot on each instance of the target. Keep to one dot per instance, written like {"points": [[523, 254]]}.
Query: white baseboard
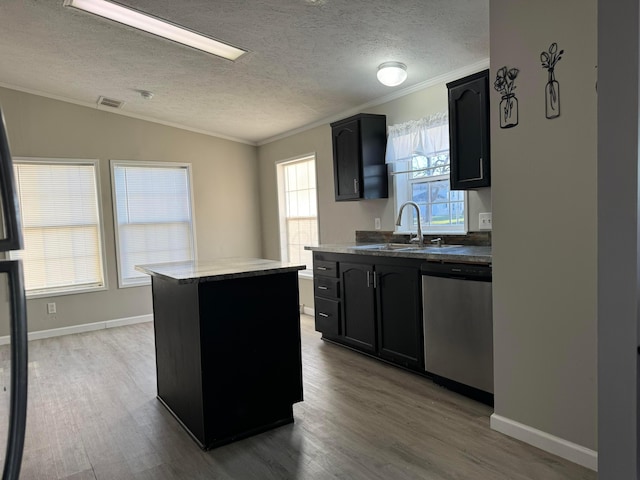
{"points": [[85, 327], [549, 443], [308, 310]]}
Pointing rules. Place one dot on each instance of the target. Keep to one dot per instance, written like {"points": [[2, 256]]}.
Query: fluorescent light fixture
{"points": [[392, 74], [162, 28]]}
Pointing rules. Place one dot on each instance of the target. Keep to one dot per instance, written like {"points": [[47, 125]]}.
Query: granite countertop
{"points": [[462, 253], [216, 270]]}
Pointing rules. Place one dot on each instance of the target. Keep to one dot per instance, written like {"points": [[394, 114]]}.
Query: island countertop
{"points": [[215, 270]]}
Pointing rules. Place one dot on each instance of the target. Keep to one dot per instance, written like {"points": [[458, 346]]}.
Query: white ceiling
{"points": [[308, 60]]}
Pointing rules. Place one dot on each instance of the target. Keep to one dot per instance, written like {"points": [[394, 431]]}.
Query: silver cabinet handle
{"points": [[321, 268], [322, 287], [368, 278], [323, 315], [355, 185]]}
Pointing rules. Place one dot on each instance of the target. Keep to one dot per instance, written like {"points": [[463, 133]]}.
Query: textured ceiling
{"points": [[308, 60]]}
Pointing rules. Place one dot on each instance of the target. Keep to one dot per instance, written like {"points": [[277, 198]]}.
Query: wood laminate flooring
{"points": [[93, 414]]}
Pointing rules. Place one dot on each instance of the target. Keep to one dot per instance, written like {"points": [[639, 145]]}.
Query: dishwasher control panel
{"points": [[457, 270]]}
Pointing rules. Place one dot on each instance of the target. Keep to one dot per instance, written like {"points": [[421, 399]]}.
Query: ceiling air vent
{"points": [[110, 102]]}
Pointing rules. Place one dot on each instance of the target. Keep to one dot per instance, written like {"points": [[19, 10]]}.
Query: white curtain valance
{"points": [[417, 137]]}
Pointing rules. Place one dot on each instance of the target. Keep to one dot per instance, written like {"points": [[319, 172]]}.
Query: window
{"points": [[419, 151], [60, 210], [298, 210], [153, 216]]}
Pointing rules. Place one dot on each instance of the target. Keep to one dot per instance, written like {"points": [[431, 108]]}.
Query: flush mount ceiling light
{"points": [[146, 94], [162, 28], [392, 74]]}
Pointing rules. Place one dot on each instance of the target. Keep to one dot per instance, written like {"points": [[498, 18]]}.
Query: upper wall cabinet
{"points": [[469, 132], [359, 144]]}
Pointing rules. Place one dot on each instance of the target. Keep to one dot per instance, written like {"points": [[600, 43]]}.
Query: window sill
{"points": [[142, 283], [61, 292], [305, 274]]}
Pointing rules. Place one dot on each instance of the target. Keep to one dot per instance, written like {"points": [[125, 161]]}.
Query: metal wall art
{"points": [[552, 88], [505, 86]]}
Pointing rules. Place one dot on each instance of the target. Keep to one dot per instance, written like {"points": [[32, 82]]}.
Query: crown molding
{"points": [[124, 113], [447, 77]]}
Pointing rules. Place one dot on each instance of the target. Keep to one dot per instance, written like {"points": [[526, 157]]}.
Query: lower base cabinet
{"points": [[358, 306], [400, 331], [380, 308]]}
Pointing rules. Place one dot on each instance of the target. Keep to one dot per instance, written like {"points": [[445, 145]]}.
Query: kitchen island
{"points": [[227, 337]]}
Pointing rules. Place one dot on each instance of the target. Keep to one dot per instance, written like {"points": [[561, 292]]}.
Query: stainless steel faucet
{"points": [[417, 239]]}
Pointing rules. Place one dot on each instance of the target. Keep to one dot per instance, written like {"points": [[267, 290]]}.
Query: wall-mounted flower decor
{"points": [[552, 88], [505, 85]]}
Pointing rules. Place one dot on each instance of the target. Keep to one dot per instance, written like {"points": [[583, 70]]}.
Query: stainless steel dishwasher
{"points": [[458, 325]]}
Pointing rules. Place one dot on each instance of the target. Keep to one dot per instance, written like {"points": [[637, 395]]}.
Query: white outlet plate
{"points": [[484, 221], [51, 308], [377, 223]]}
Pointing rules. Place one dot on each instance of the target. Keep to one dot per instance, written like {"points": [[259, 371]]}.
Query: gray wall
{"points": [[412, 107], [544, 191], [338, 221], [618, 291], [544, 203], [225, 190]]}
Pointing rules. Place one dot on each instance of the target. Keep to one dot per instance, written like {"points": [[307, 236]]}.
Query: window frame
{"points": [[145, 281], [282, 217], [60, 291], [402, 184], [426, 138]]}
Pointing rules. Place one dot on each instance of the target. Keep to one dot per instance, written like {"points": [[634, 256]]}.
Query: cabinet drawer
{"points": [[327, 316], [327, 287], [325, 268]]}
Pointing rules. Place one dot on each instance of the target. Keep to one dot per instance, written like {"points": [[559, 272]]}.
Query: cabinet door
{"points": [[358, 306], [399, 314], [346, 160], [469, 132]]}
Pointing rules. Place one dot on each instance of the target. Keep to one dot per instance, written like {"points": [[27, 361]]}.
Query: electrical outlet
{"points": [[377, 223], [484, 220], [51, 308]]}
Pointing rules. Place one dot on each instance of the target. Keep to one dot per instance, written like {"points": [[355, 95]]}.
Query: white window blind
{"points": [[153, 214], [61, 226], [298, 209]]}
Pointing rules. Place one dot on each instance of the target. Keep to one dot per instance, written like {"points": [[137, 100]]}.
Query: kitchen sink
{"points": [[389, 246], [404, 247]]}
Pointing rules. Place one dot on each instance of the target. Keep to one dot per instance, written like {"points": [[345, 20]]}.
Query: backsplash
{"points": [[381, 236]]}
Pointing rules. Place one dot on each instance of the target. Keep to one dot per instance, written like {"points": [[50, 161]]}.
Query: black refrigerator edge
{"points": [[12, 240]]}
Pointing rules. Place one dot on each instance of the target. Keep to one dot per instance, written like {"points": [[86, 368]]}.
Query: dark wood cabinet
{"points": [[358, 305], [326, 290], [380, 306], [359, 169], [469, 132], [400, 336]]}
